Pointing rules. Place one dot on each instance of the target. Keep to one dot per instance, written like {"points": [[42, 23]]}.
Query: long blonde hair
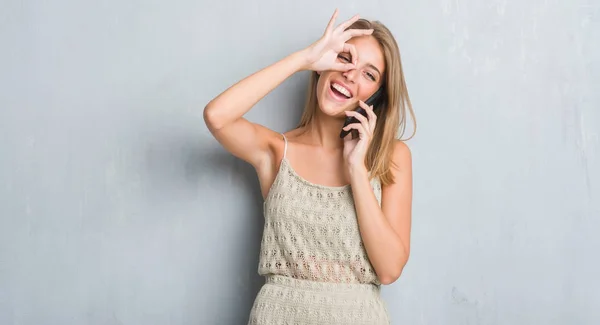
{"points": [[391, 118]]}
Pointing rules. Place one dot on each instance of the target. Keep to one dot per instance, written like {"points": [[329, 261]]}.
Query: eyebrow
{"points": [[370, 65], [374, 68]]}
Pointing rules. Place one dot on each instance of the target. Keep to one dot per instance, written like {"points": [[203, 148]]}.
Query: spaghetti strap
{"points": [[285, 145]]}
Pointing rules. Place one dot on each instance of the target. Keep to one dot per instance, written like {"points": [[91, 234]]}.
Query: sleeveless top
{"points": [[311, 231]]}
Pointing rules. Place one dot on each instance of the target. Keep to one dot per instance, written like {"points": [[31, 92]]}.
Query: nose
{"points": [[350, 74]]}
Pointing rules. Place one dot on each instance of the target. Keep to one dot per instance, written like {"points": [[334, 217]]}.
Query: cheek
{"points": [[367, 91], [322, 88]]}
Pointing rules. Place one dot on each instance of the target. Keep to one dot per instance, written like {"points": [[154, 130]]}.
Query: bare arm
{"points": [[385, 230], [223, 115], [250, 141]]}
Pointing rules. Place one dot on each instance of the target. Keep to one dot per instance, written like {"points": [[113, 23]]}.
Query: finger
{"points": [[362, 133], [343, 26], [369, 109], [356, 32], [363, 120], [332, 20], [365, 106], [372, 119], [343, 67], [349, 48]]}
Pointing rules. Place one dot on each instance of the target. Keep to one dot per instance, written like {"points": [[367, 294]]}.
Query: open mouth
{"points": [[340, 91]]}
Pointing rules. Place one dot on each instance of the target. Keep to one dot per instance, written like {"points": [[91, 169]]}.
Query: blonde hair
{"points": [[391, 118]]}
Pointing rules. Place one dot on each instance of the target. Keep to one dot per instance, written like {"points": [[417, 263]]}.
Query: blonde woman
{"points": [[337, 207]]}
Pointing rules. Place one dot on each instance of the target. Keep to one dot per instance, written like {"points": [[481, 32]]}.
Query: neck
{"points": [[324, 131]]}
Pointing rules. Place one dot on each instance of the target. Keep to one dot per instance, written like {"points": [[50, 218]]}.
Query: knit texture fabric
{"points": [[316, 268]]}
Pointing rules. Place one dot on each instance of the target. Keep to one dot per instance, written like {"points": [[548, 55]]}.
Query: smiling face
{"points": [[341, 91]]}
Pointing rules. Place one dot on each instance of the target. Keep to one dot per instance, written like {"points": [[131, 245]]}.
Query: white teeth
{"points": [[341, 90]]}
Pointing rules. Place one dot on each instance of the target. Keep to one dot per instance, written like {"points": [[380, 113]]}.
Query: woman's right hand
{"points": [[322, 55]]}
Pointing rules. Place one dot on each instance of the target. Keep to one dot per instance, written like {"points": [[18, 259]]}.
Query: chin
{"points": [[333, 103]]}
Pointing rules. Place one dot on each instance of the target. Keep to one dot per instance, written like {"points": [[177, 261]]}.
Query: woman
{"points": [[337, 208]]}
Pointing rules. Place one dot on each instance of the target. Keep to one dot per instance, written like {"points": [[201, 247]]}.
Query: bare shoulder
{"points": [[401, 157], [269, 136], [274, 144]]}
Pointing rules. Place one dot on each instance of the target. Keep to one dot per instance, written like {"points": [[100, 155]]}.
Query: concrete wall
{"points": [[117, 207]]}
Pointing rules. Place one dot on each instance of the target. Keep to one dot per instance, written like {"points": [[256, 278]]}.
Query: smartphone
{"points": [[374, 100]]}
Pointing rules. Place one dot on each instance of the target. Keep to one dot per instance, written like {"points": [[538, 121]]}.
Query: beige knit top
{"points": [[311, 231]]}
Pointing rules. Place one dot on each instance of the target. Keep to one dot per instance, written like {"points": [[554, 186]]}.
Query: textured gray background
{"points": [[117, 207]]}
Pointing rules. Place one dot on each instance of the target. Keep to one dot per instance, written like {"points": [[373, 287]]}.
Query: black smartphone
{"points": [[374, 100]]}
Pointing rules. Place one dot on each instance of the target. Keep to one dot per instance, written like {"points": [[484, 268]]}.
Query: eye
{"points": [[370, 76], [344, 57]]}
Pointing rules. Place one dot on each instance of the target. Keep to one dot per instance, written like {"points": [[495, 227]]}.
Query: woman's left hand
{"points": [[355, 150]]}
